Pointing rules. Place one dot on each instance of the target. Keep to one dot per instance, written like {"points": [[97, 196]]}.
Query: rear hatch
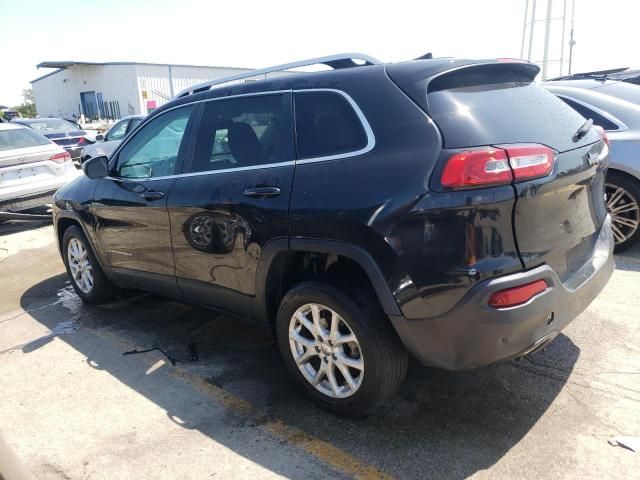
{"points": [[67, 139], [556, 218]]}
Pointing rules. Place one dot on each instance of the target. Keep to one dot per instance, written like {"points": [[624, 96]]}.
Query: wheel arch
{"points": [[66, 220], [279, 256]]}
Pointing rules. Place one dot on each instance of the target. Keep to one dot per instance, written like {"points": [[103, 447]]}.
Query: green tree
{"points": [[27, 94], [27, 110], [28, 107]]}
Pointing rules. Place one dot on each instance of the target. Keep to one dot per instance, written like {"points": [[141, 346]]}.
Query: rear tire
{"points": [[87, 278], [623, 200], [375, 360]]}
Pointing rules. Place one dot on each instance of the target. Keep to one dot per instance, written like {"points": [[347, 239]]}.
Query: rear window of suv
{"points": [[15, 138], [326, 124], [494, 104]]}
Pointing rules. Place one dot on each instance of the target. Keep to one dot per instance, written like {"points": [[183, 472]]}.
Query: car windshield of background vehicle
{"points": [[117, 132], [13, 139], [240, 132], [153, 151], [53, 125], [326, 124]]}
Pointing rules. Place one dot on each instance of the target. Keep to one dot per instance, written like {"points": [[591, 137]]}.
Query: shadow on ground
{"points": [[440, 425], [629, 260]]}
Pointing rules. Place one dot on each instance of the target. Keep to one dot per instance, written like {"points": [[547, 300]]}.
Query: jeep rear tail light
{"points": [[60, 157], [511, 297], [486, 166], [530, 161], [492, 166]]}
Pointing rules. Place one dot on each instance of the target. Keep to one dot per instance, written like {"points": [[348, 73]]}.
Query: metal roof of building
{"points": [[63, 64]]}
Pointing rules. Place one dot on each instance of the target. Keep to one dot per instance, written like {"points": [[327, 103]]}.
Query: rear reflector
{"points": [[511, 297], [60, 157], [492, 166], [487, 166], [530, 161]]}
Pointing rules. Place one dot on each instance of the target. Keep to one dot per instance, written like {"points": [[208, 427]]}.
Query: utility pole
{"points": [[547, 30], [572, 42], [533, 24], [524, 27]]}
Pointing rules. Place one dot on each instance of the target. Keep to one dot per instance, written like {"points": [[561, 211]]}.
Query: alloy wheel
{"points": [[326, 350], [80, 265], [624, 210]]}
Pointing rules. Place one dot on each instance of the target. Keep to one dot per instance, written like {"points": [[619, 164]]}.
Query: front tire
{"points": [[87, 278], [623, 203], [343, 353]]}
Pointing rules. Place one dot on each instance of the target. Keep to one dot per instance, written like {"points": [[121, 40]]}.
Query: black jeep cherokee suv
{"points": [[449, 209]]}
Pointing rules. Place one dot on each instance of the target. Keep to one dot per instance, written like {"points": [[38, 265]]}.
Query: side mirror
{"points": [[97, 167], [99, 137]]}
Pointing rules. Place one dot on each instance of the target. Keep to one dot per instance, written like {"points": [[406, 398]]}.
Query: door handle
{"points": [[262, 192], [152, 195]]}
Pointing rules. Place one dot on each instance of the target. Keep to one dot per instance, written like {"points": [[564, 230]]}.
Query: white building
{"points": [[115, 89]]}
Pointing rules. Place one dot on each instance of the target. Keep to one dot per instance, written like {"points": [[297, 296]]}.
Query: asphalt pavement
{"points": [[72, 406]]}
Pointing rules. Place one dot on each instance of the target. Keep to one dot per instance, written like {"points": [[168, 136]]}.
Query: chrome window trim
{"points": [[371, 140], [607, 115], [208, 172]]}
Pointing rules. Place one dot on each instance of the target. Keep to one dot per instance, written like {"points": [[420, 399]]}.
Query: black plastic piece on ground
{"points": [[193, 352], [171, 359]]}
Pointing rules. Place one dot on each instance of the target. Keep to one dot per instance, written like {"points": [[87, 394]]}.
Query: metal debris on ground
{"points": [[631, 443]]}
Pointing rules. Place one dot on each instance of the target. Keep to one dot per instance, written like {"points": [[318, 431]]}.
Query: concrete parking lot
{"points": [[72, 406]]}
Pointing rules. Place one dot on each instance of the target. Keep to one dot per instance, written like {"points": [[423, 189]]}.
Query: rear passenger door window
{"points": [[589, 113], [327, 125], [242, 132]]}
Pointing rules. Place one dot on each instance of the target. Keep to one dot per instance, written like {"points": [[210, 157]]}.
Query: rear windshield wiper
{"points": [[583, 130]]}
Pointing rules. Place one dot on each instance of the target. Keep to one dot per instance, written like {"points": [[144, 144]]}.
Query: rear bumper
{"points": [[32, 200], [75, 152], [473, 334]]}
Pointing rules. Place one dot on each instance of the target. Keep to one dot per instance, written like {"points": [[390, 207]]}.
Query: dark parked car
{"points": [[449, 209], [63, 132]]}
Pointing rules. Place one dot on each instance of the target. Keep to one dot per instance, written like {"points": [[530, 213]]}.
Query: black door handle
{"points": [[152, 195], [262, 192]]}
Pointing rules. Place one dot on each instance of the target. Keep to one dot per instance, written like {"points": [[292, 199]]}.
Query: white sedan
{"points": [[32, 168]]}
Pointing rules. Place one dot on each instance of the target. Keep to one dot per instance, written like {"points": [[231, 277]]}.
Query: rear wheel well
{"points": [[620, 173], [292, 267]]}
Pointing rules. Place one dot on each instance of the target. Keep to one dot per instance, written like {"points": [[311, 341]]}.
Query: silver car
{"points": [[105, 144], [32, 169], [621, 121]]}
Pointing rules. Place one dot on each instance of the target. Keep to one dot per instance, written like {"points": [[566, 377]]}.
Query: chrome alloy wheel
{"points": [[624, 210], [80, 266], [326, 350]]}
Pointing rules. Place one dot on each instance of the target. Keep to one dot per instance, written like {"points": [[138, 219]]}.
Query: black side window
{"points": [[242, 132], [588, 113], [326, 124]]}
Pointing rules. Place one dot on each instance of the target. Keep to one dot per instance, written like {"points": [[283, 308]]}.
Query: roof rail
{"points": [[341, 60]]}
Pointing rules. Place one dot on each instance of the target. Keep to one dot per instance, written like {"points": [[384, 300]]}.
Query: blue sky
{"points": [[260, 33]]}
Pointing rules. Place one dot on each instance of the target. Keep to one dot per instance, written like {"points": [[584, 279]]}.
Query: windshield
{"points": [[623, 90], [52, 125], [20, 138]]}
